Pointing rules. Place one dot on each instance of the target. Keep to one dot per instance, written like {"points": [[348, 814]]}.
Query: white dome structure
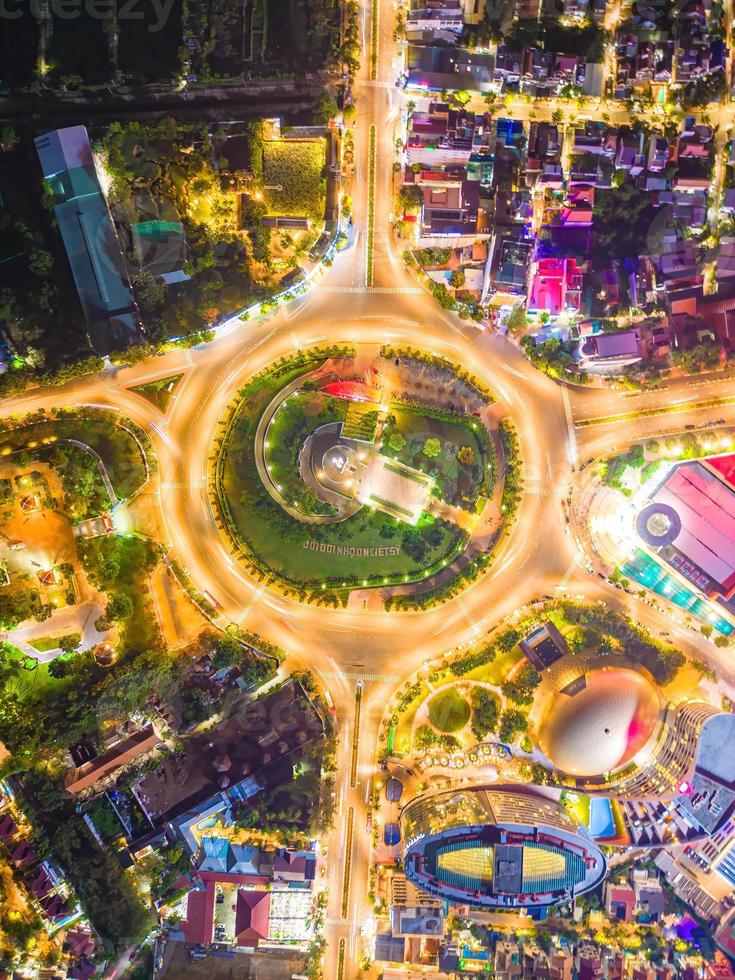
{"points": [[603, 725]]}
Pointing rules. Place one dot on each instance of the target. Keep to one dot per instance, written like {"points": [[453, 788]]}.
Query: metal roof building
{"points": [[90, 239], [691, 521]]}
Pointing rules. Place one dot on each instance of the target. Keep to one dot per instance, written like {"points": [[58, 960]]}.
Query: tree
{"points": [[120, 606], [40, 262], [432, 448], [457, 279], [396, 442], [442, 295], [8, 138], [326, 108], [424, 737], [69, 643], [150, 292], [485, 712], [517, 320], [521, 688], [60, 667], [466, 456], [512, 722], [410, 197]]}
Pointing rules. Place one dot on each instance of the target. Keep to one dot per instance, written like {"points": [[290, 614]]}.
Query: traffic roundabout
{"points": [[344, 468]]}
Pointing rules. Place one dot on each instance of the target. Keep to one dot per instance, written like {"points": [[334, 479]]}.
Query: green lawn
{"points": [[160, 391], [120, 566], [296, 166], [46, 643], [496, 671], [290, 427], [448, 711], [457, 483], [30, 679]]}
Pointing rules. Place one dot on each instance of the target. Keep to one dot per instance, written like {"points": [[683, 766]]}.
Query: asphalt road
{"points": [[540, 558]]}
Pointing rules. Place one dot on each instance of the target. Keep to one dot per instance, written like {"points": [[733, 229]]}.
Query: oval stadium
{"points": [[498, 848]]}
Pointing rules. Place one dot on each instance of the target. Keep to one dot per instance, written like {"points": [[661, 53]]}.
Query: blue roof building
{"points": [[90, 239]]}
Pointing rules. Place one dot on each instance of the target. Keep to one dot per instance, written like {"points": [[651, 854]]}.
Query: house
{"points": [[578, 208], [435, 68], [718, 317], [620, 900], [299, 866], [630, 155], [161, 249], [119, 754], [658, 154], [507, 961], [450, 206], [90, 239], [198, 926], [544, 646], [561, 966], [726, 259], [422, 920], [592, 138], [434, 20], [390, 948], [509, 262], [649, 897], [442, 136], [719, 968], [543, 152], [251, 918], [612, 349], [556, 285], [692, 154]]}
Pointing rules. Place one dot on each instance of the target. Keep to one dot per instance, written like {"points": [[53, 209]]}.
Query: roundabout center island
{"points": [[341, 470]]}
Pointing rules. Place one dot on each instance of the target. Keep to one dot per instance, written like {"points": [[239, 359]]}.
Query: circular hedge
{"points": [[448, 711]]}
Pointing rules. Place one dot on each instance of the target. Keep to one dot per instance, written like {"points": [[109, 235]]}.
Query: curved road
{"points": [[346, 646]]}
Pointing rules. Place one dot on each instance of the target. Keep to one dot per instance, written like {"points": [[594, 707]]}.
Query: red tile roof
{"points": [[251, 917], [199, 921]]}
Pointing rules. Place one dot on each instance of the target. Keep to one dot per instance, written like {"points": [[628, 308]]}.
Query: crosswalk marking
{"points": [[196, 485], [354, 926], [359, 677]]}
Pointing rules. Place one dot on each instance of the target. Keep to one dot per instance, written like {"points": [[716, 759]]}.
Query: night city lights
{"points": [[367, 490]]}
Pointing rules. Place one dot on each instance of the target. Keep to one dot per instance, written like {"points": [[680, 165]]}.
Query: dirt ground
{"points": [[46, 535], [268, 965], [179, 619]]}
